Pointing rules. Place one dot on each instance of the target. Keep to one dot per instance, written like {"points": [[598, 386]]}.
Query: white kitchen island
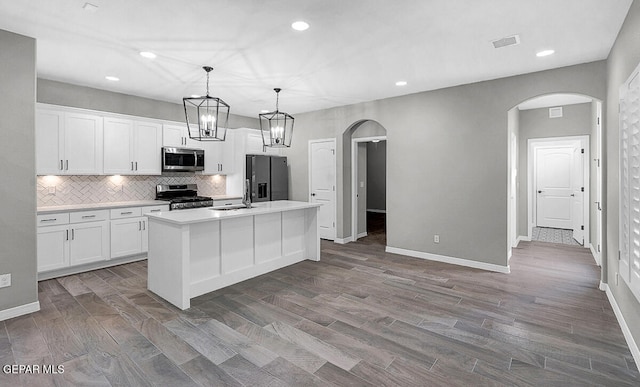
{"points": [[196, 251]]}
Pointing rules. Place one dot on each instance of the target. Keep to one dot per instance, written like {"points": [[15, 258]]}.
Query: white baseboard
{"points": [[343, 241], [19, 310], [603, 286], [524, 238], [362, 235], [452, 260], [377, 211], [633, 347], [594, 254]]}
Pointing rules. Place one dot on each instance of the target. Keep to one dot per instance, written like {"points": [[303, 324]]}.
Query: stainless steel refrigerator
{"points": [[268, 178]]}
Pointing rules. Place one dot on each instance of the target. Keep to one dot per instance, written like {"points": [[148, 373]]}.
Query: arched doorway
{"points": [[553, 117], [365, 152]]}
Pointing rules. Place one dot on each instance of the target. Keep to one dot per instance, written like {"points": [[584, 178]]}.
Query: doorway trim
{"points": [[335, 172], [532, 145], [354, 180]]}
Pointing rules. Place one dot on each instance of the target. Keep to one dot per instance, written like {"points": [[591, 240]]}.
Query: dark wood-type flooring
{"points": [[360, 317]]}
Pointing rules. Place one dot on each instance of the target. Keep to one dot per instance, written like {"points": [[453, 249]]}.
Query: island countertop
{"points": [[198, 215], [197, 251]]}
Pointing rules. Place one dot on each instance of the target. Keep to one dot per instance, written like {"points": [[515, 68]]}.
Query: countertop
{"points": [[110, 205], [99, 206], [198, 215]]}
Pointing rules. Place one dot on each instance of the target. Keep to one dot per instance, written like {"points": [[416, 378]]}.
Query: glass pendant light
{"points": [[276, 127], [211, 116]]}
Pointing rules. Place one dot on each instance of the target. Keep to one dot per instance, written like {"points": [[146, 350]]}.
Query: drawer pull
{"points": [[88, 216], [155, 210], [126, 213], [49, 220]]}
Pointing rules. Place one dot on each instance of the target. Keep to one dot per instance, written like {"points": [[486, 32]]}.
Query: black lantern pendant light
{"points": [[276, 127], [212, 116]]}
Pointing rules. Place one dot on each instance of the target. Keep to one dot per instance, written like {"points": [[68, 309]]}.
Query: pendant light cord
{"points": [[207, 83]]}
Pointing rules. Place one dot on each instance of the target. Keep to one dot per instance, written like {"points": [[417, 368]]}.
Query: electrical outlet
{"points": [[52, 190], [5, 280], [436, 238]]}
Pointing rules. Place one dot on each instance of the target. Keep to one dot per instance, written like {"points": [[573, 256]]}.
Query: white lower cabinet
{"points": [[129, 230], [127, 236], [53, 247], [89, 242], [76, 239]]}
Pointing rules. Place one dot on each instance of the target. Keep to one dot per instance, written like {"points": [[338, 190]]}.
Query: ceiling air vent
{"points": [[508, 41]]}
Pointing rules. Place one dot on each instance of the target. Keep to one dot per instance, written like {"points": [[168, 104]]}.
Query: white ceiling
{"points": [[554, 100], [354, 51]]}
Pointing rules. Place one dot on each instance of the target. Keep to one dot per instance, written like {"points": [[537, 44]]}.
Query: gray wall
{"points": [[18, 172], [66, 94], [623, 58], [535, 123], [456, 139], [377, 175]]}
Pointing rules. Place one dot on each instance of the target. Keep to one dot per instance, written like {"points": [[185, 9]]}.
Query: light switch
{"points": [[362, 184]]}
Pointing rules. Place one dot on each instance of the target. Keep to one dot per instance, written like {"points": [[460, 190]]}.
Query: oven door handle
{"points": [[195, 159]]}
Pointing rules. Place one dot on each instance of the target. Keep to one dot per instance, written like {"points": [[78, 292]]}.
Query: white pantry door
{"points": [[554, 170], [322, 184]]}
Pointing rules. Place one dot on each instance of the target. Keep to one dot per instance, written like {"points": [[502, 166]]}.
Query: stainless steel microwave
{"points": [[182, 159]]}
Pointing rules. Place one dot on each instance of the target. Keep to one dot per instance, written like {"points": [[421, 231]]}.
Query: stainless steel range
{"points": [[182, 196]]}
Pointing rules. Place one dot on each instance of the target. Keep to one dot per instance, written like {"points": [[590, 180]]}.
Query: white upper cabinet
{"points": [[254, 144], [177, 136], [132, 147], [68, 143], [118, 146], [49, 142], [219, 156]]}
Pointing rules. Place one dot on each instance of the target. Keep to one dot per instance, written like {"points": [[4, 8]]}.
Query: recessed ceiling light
{"points": [[264, 111], [112, 78], [195, 96], [300, 25], [401, 83], [148, 54], [545, 53]]}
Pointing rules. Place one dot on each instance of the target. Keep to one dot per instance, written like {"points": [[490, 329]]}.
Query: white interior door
{"points": [[554, 169], [322, 184], [577, 196]]}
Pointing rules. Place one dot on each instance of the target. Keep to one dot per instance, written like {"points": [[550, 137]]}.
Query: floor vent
{"points": [[508, 41]]}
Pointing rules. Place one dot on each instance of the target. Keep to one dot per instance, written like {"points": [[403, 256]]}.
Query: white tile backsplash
{"points": [[65, 190]]}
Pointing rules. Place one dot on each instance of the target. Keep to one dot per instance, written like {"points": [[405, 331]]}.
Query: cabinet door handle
{"points": [[139, 225], [132, 165], [136, 165], [67, 167], [73, 234], [88, 216], [67, 234], [61, 165], [144, 225]]}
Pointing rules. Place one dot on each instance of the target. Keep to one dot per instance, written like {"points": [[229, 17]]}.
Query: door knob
{"points": [[313, 194], [539, 191], [573, 195]]}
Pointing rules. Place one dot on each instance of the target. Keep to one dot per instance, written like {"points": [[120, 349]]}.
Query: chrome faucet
{"points": [[246, 197]]}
